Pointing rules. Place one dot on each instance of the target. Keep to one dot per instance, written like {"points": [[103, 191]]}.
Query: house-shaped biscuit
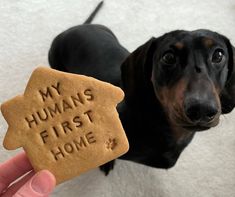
{"points": [[66, 123]]}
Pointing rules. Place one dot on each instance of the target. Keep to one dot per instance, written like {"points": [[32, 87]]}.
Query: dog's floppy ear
{"points": [[228, 93], [136, 71]]}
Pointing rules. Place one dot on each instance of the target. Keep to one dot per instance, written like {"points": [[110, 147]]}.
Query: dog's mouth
{"points": [[182, 121], [196, 127], [178, 118], [201, 126]]}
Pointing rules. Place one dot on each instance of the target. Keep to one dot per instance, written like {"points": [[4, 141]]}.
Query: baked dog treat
{"points": [[66, 123]]}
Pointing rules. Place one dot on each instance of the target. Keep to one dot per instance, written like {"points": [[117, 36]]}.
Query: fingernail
{"points": [[43, 182]]}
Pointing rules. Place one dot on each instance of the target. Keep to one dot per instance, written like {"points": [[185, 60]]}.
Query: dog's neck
{"points": [[149, 116], [148, 128]]}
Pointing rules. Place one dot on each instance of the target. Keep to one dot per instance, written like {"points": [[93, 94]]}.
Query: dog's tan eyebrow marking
{"points": [[179, 45], [208, 42]]}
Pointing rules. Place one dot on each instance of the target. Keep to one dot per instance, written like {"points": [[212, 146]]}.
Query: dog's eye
{"points": [[218, 56], [169, 58]]}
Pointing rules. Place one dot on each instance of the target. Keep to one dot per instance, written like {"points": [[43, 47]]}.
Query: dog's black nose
{"points": [[198, 112]]}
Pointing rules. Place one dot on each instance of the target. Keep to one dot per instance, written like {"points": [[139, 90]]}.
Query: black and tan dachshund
{"points": [[175, 85]]}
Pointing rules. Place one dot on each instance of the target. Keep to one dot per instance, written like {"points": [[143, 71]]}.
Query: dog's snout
{"points": [[199, 112]]}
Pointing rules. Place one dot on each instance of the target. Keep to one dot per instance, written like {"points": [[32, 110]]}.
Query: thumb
{"points": [[40, 185]]}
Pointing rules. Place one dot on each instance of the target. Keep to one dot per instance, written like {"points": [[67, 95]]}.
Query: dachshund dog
{"points": [[175, 85]]}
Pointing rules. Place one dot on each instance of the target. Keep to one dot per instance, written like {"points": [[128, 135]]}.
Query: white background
{"points": [[206, 167]]}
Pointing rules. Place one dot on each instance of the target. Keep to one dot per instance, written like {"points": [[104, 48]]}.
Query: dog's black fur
{"points": [[174, 85]]}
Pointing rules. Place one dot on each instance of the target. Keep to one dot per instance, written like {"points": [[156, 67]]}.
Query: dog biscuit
{"points": [[66, 123]]}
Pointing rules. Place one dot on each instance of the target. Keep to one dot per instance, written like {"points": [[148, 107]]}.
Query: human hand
{"points": [[30, 185]]}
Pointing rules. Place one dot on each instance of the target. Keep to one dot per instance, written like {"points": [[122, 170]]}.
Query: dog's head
{"points": [[192, 74]]}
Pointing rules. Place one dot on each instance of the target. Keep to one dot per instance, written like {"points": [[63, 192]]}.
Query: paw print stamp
{"points": [[111, 143]]}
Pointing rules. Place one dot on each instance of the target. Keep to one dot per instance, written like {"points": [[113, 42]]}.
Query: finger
{"points": [[10, 191], [40, 185], [13, 169]]}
